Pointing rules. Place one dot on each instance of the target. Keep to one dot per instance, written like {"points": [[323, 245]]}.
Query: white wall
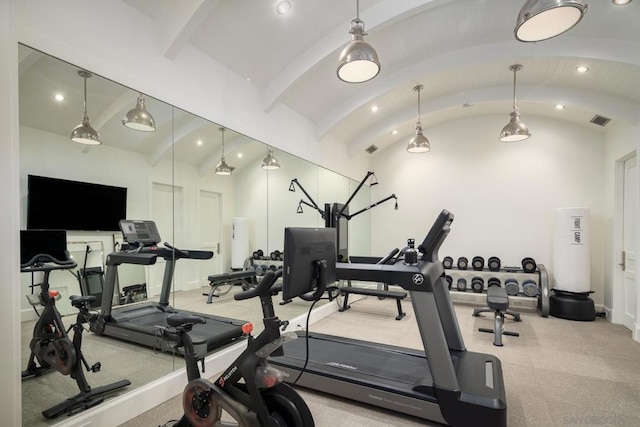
{"points": [[503, 196], [10, 395]]}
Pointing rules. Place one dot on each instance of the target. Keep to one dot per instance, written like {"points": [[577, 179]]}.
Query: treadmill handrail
{"points": [[418, 278], [126, 257]]}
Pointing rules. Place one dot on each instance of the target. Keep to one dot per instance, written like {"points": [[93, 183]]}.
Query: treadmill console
{"points": [[140, 232], [436, 235]]}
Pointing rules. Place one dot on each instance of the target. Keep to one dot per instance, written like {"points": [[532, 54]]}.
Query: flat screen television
{"points": [[302, 248], [54, 203]]}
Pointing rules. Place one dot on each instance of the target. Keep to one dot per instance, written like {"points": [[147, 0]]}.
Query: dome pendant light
{"points": [[515, 130], [543, 19], [270, 162], [223, 168], [84, 133], [139, 118], [358, 61], [419, 143]]}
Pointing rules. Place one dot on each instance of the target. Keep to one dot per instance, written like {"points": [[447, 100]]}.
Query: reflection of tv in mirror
{"points": [[302, 248]]}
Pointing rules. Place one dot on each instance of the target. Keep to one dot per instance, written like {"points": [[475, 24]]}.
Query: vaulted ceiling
{"points": [[460, 50]]}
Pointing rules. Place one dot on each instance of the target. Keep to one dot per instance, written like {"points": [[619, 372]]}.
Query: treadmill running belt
{"points": [[372, 363]]}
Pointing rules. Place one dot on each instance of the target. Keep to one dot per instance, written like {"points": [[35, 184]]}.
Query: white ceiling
{"points": [[459, 50]]}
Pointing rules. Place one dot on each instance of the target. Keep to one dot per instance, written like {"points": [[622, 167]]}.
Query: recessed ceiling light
{"points": [[621, 2], [395, 131], [283, 7], [582, 68], [239, 155], [58, 97], [373, 108], [199, 142], [559, 107]]}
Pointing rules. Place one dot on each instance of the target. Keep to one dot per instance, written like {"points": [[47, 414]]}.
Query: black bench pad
{"points": [[497, 298]]}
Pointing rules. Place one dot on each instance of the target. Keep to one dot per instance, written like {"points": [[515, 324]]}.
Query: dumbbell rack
{"points": [[540, 276]]}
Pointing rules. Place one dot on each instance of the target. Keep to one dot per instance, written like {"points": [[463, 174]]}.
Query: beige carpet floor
{"points": [[557, 373]]}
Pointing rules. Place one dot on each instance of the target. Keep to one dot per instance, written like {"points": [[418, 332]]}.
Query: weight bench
{"points": [[397, 295], [498, 303], [246, 278]]}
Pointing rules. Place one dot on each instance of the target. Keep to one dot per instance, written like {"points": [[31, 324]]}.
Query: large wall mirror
{"points": [[169, 177]]}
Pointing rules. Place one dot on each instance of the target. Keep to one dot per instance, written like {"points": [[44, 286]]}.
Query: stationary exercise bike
{"points": [[51, 347], [250, 390]]}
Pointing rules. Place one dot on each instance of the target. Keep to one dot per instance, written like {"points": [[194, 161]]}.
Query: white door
{"points": [[210, 233], [630, 205], [166, 212]]}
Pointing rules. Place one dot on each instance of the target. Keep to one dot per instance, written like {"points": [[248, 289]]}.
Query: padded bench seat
{"points": [[246, 278], [497, 298], [397, 295]]}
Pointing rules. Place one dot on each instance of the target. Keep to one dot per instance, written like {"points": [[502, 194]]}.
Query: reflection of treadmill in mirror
{"points": [[442, 382], [138, 323]]}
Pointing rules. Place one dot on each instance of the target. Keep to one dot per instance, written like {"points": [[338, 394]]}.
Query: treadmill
{"points": [[140, 322], [444, 383]]}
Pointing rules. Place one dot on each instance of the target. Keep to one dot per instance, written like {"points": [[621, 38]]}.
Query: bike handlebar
{"points": [[262, 288], [43, 262]]}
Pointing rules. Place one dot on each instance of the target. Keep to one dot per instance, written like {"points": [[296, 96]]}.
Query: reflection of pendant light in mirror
{"points": [[223, 168], [543, 19], [270, 162], [358, 61], [139, 118], [419, 143], [515, 130], [84, 133]]}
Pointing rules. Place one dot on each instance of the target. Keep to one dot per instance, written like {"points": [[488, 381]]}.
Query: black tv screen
{"points": [[302, 248], [42, 242], [54, 203]]}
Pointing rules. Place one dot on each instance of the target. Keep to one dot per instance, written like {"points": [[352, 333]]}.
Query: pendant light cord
{"points": [[515, 70], [358, 10], [85, 95]]}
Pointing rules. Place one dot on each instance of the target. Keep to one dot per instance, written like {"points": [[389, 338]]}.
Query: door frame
{"points": [[618, 279]]}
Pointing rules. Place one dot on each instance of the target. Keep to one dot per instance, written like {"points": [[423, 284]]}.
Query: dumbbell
{"points": [[449, 280], [529, 265], [511, 286], [530, 288], [447, 262], [494, 263], [494, 281], [275, 255], [273, 268], [259, 270], [461, 284], [258, 254], [477, 284], [477, 263], [463, 263]]}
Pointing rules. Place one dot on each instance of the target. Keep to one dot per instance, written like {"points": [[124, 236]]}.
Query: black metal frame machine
{"points": [[139, 323], [444, 382]]}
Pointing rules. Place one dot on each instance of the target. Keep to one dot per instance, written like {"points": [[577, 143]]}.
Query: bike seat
{"points": [[179, 319], [78, 301]]}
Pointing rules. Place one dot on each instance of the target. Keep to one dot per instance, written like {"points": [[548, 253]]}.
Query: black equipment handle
{"points": [[389, 256], [184, 253], [262, 288], [45, 262]]}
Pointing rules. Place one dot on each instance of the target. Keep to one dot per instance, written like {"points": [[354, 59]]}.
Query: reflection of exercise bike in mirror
{"points": [[250, 390], [51, 347]]}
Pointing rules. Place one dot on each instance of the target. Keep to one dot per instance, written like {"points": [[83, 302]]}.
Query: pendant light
{"points": [[270, 162], [84, 133], [515, 130], [419, 143], [223, 168], [543, 19], [358, 61], [139, 118]]}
